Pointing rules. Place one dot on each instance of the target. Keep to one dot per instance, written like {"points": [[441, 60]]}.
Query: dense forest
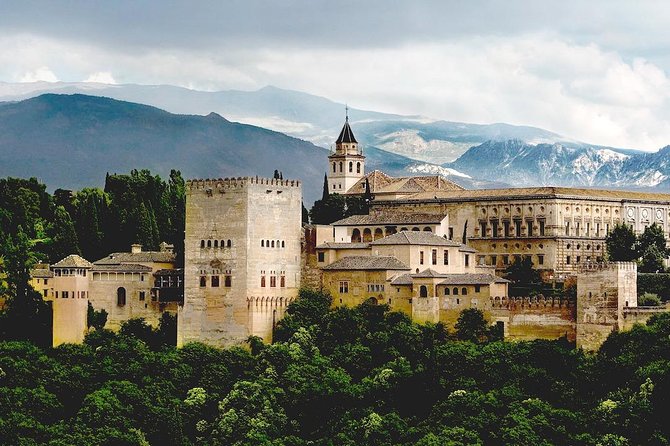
{"points": [[344, 376], [333, 376]]}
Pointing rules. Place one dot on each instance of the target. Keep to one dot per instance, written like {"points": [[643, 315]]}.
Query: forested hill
{"points": [[71, 141]]}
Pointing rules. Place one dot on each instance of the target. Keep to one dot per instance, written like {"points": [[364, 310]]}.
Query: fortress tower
{"points": [[347, 164], [242, 258]]}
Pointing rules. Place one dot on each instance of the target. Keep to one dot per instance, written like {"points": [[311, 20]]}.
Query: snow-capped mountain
{"points": [[522, 164]]}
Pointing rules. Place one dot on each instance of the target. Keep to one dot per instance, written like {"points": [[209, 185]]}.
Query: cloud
{"points": [[39, 74], [101, 77], [593, 71]]}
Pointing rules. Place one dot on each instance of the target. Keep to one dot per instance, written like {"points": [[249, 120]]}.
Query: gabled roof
{"points": [[402, 279], [381, 183], [42, 273], [391, 219], [346, 135], [72, 261], [117, 258], [332, 245], [471, 279], [367, 263], [125, 267], [428, 274], [415, 238]]}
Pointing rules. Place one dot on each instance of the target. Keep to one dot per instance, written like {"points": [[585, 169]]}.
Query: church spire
{"points": [[346, 135]]}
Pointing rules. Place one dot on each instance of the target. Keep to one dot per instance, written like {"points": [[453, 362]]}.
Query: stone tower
{"points": [[70, 300], [242, 258], [605, 291], [347, 164]]}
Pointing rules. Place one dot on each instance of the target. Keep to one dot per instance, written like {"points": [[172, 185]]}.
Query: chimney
{"points": [[135, 248], [166, 247]]}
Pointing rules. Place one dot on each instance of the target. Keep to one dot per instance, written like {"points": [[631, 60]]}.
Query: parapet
{"points": [[530, 302], [237, 183], [607, 266]]}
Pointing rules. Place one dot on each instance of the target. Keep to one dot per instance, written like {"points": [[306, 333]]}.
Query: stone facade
{"points": [[242, 258], [69, 301]]}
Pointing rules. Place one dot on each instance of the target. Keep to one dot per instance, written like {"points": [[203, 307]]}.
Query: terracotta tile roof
{"points": [[126, 267], [415, 238], [170, 272], [331, 245], [402, 279], [428, 273], [539, 192], [391, 218], [381, 183], [118, 258], [466, 248], [72, 261], [471, 279], [42, 273], [367, 263]]}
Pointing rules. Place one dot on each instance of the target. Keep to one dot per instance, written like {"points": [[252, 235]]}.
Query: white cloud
{"points": [[39, 74], [101, 77], [582, 91]]}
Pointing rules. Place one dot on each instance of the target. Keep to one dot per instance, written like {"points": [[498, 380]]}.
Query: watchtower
{"points": [[347, 164]]}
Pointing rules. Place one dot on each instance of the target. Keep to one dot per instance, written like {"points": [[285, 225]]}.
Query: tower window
{"points": [[203, 281], [227, 282], [282, 281], [273, 281], [202, 243], [334, 168], [121, 296], [262, 281], [216, 243], [209, 243], [215, 281], [351, 167], [358, 167], [229, 243], [341, 169], [262, 243]]}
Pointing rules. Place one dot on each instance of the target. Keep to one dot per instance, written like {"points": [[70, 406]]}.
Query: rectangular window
{"points": [[446, 257], [282, 281], [506, 229], [597, 229], [142, 295], [228, 281], [567, 228], [46, 292], [477, 288], [344, 287], [494, 228], [529, 225], [273, 281], [540, 259], [517, 228], [541, 223], [505, 259], [434, 256], [577, 229], [65, 294], [578, 259], [482, 227], [607, 228], [421, 257], [467, 259], [215, 281], [203, 281], [494, 260], [588, 228], [322, 256], [567, 260], [262, 281], [451, 233]]}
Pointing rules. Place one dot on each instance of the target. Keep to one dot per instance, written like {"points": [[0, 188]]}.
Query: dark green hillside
{"points": [[71, 141]]}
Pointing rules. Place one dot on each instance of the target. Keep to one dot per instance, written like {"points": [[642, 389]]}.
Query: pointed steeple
{"points": [[346, 135]]}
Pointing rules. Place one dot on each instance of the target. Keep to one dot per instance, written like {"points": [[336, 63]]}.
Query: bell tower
{"points": [[347, 163]]}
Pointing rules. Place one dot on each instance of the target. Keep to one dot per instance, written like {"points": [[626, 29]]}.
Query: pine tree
{"points": [[63, 236], [325, 193]]}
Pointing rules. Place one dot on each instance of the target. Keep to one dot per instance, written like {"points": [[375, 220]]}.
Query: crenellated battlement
{"points": [[605, 266], [530, 302], [237, 183]]}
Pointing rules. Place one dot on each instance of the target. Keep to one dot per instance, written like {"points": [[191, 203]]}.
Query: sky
{"points": [[594, 71]]}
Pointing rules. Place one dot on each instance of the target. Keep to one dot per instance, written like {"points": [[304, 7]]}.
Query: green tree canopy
{"points": [[622, 244]]}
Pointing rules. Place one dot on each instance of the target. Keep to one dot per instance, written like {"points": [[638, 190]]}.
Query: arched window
{"points": [[427, 229], [216, 243], [263, 281], [367, 235], [283, 245], [223, 243], [202, 243], [227, 282], [229, 243], [334, 168], [340, 166], [464, 291], [403, 229], [379, 233], [446, 291], [351, 166], [356, 235], [278, 243], [209, 243], [262, 243], [121, 296], [455, 292], [423, 291], [415, 229], [273, 243], [358, 167]]}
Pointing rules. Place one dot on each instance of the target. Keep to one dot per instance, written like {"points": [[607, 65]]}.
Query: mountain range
{"points": [[472, 155]]}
